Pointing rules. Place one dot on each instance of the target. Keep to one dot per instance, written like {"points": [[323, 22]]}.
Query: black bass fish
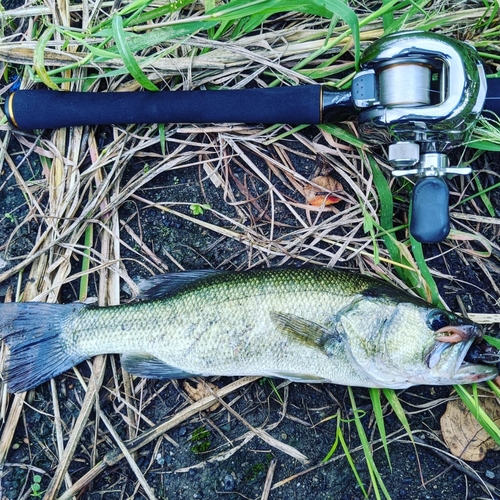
{"points": [[303, 324]]}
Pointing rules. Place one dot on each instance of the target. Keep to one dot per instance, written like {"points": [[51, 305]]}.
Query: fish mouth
{"points": [[461, 354]]}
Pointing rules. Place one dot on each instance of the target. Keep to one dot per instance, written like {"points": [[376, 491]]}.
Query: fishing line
{"points": [[397, 84]]}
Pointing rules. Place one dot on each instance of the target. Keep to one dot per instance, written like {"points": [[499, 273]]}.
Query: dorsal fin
{"points": [[166, 285]]}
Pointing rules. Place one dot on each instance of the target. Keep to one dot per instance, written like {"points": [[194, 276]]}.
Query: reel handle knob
{"points": [[429, 213]]}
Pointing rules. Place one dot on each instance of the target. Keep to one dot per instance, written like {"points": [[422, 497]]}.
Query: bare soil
{"points": [[195, 459]]}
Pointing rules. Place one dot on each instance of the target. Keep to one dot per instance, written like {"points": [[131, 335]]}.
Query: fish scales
{"points": [[306, 324], [224, 327]]}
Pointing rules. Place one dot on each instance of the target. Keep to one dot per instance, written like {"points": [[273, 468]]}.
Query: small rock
{"points": [[228, 482], [490, 474]]}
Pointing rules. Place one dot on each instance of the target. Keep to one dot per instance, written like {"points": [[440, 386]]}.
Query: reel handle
{"points": [[429, 212]]}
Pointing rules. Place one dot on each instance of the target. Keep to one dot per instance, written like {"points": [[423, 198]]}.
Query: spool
{"points": [[405, 84]]}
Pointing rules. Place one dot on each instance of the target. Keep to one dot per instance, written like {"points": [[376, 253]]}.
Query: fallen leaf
{"points": [[323, 188], [321, 191], [463, 434], [202, 390]]}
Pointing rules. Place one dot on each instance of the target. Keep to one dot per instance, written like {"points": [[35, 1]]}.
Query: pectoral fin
{"points": [[147, 366], [307, 332]]}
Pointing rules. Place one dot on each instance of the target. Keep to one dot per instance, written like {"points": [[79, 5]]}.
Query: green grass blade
{"points": [[342, 10], [387, 19], [127, 56], [375, 396], [343, 135], [163, 138], [485, 190], [335, 444], [368, 228], [393, 24], [486, 134], [495, 342], [155, 13], [350, 460], [84, 280], [470, 400], [418, 253], [210, 5], [139, 5], [391, 5], [258, 11], [236, 9], [97, 51], [386, 202], [39, 58], [427, 287], [377, 482], [484, 145], [136, 43], [393, 400], [485, 199], [386, 221], [494, 387], [274, 388], [339, 438]]}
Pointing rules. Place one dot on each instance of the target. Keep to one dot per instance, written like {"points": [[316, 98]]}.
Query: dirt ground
{"points": [[213, 454]]}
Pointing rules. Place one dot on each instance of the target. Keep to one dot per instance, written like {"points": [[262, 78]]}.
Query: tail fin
{"points": [[32, 330]]}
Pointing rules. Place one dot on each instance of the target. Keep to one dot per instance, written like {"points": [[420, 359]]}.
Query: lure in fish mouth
{"points": [[462, 334], [463, 342], [454, 334], [475, 351]]}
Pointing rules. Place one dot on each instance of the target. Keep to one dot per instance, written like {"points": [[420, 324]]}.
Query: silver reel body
{"points": [[421, 93]]}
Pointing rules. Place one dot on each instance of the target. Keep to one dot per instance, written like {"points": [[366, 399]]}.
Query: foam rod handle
{"points": [[492, 102], [39, 109]]}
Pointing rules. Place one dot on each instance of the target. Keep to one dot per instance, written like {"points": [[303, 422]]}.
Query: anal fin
{"points": [[147, 366]]}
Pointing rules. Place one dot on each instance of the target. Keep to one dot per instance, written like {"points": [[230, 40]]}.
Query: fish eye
{"points": [[437, 319]]}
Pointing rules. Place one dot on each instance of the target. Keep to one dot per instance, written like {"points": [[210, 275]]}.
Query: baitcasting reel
{"points": [[421, 94]]}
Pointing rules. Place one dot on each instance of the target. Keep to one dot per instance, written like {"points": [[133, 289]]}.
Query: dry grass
{"points": [[78, 190]]}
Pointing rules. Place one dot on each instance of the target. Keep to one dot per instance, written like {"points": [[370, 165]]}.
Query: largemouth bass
{"points": [[303, 324]]}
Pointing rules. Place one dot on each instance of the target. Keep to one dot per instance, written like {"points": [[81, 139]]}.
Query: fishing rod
{"points": [[418, 93]]}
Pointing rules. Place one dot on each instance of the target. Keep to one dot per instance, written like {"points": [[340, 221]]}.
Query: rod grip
{"points": [[39, 109], [492, 102]]}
